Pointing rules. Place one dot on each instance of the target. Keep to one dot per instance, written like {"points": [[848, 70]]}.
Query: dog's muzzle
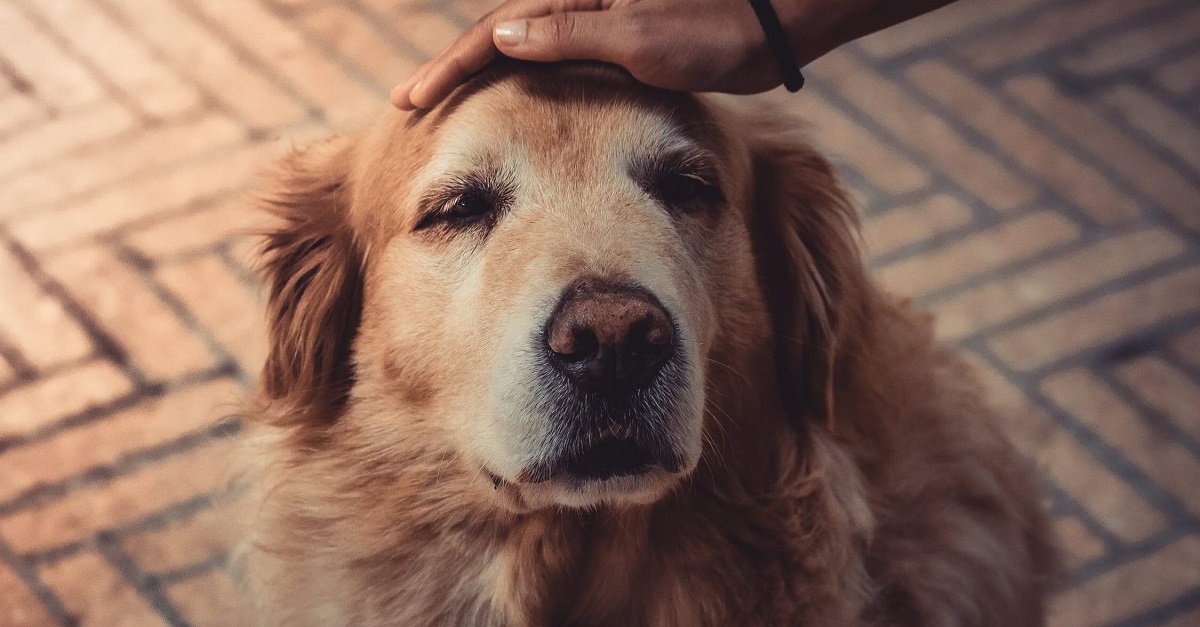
{"points": [[612, 381]]}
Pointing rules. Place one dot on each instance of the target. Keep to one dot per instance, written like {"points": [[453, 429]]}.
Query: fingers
{"points": [[592, 35]]}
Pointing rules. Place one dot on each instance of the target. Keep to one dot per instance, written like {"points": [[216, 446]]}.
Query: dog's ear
{"points": [[806, 237], [311, 265]]}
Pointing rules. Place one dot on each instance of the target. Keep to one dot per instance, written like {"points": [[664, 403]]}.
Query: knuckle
{"points": [[560, 28]]}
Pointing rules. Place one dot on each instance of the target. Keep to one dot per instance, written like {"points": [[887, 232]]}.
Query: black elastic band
{"points": [[777, 41]]}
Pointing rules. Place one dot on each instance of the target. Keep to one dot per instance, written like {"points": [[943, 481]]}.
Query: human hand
{"points": [[692, 45]]}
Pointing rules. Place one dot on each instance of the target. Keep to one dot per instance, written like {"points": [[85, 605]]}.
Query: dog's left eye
{"points": [[468, 206], [680, 189]]}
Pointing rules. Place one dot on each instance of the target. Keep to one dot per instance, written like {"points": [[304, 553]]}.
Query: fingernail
{"points": [[511, 33]]}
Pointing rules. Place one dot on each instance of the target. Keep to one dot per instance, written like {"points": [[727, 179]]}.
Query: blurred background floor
{"points": [[1029, 169]]}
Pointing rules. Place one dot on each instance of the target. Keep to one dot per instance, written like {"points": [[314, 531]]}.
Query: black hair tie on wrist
{"points": [[777, 41]]}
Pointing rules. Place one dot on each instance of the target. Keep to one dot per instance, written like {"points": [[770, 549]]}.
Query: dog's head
{"points": [[538, 280]]}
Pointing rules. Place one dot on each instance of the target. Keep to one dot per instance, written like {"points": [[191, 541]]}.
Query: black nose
{"points": [[609, 338]]}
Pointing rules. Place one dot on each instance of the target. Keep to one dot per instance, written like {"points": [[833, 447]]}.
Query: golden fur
{"points": [[850, 473]]}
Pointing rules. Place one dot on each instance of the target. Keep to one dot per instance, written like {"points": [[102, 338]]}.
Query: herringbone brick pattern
{"points": [[1029, 169]]}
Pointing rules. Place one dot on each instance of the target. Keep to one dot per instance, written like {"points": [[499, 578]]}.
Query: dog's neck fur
{"points": [[444, 557]]}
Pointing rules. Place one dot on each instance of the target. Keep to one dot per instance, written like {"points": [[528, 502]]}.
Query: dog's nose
{"points": [[609, 338]]}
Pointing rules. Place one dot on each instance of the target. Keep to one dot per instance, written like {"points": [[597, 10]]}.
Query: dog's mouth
{"points": [[607, 457]]}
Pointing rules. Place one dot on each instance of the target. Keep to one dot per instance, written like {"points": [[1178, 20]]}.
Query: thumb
{"points": [[583, 35]]}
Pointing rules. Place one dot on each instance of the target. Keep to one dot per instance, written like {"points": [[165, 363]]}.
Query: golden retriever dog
{"points": [[569, 350]]}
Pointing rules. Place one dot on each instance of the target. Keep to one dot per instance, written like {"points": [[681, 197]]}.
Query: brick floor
{"points": [[1028, 169]]}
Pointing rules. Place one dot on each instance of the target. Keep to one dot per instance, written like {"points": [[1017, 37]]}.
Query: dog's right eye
{"points": [[468, 206]]}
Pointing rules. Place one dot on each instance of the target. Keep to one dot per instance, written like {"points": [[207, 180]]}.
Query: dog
{"points": [[570, 350]]}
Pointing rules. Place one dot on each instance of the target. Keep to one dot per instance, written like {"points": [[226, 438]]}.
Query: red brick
{"points": [[49, 139], [1187, 346], [1080, 545], [224, 304], [124, 60], [98, 595], [1132, 47], [946, 22], [224, 221], [353, 37], [18, 110], [211, 601], [427, 30], [1180, 76], [1120, 509], [18, 606], [211, 61], [34, 322], [106, 441], [1149, 174], [118, 296], [1165, 125], [1132, 588], [1101, 320], [988, 250], [1168, 463], [55, 75], [1004, 299], [278, 45], [1046, 29], [208, 534], [839, 136], [126, 499], [108, 164], [162, 192], [976, 106], [1166, 389], [41, 402], [923, 130], [913, 223]]}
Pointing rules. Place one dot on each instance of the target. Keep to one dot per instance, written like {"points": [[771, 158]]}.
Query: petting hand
{"points": [[689, 45], [685, 45]]}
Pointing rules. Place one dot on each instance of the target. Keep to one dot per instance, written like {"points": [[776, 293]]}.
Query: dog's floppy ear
{"points": [[805, 232], [312, 267]]}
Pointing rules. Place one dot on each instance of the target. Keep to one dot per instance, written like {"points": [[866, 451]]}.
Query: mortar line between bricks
{"points": [[207, 96], [1138, 74], [145, 270], [153, 521], [28, 576], [1154, 420], [1127, 553], [1107, 454], [1174, 359], [910, 152], [25, 88], [1115, 118], [1099, 33], [50, 372], [1185, 602], [24, 370], [329, 53], [1134, 343], [94, 145], [146, 586], [64, 44], [106, 345], [984, 142], [948, 44], [1069, 145], [1115, 287], [191, 571], [1071, 506], [244, 275], [249, 58], [100, 412], [42, 494], [399, 43]]}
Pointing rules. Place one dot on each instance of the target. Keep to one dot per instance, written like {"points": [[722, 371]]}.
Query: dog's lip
{"points": [[613, 455]]}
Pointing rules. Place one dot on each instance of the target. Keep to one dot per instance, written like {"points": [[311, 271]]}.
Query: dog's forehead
{"points": [[507, 122]]}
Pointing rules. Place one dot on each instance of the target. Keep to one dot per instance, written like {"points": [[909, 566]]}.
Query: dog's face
{"points": [[531, 280]]}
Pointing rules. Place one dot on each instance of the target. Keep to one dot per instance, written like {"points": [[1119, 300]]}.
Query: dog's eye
{"points": [[469, 206], [680, 189]]}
